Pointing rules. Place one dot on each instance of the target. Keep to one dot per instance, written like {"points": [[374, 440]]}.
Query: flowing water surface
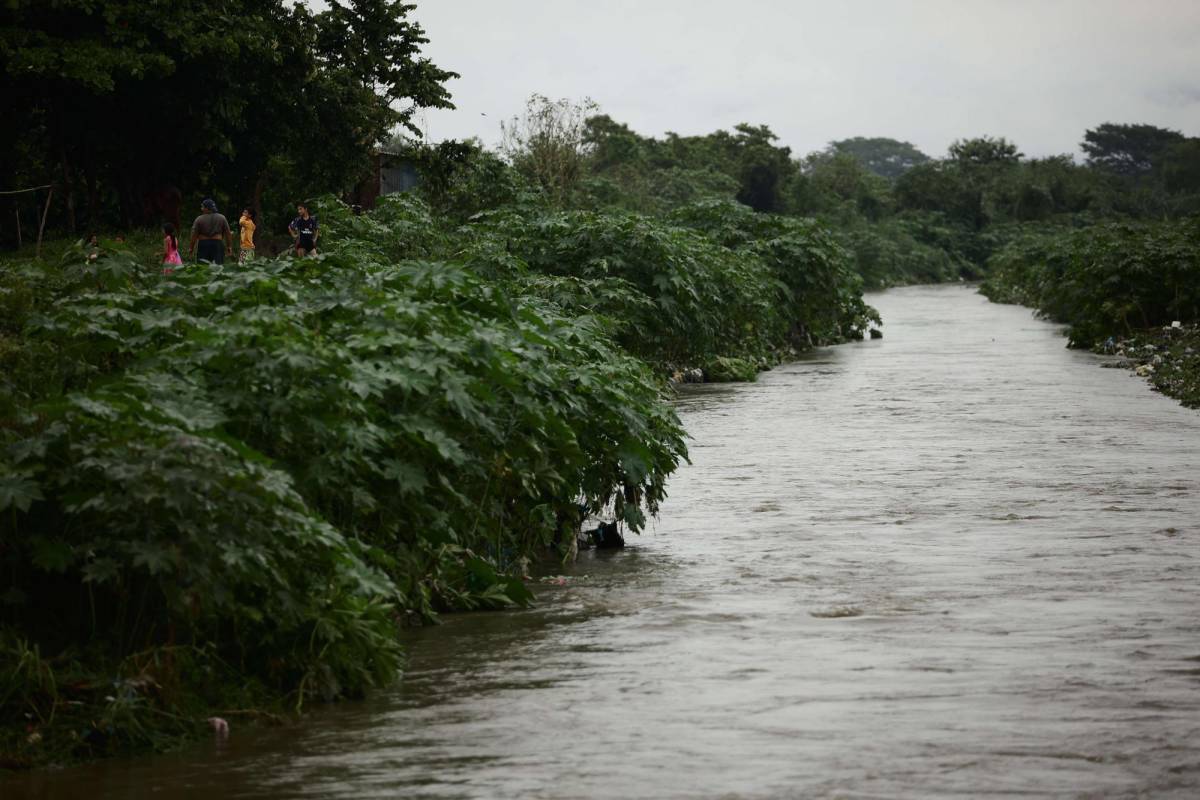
{"points": [[959, 561]]}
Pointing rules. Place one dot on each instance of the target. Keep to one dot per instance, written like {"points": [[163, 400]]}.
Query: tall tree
{"points": [[1180, 167], [763, 167], [1131, 150], [838, 178], [984, 151], [945, 187], [549, 143], [888, 158], [128, 97]]}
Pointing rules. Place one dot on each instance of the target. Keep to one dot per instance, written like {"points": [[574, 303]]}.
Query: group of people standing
{"points": [[212, 236]]}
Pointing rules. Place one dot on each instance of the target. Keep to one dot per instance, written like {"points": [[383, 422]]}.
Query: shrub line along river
{"points": [[960, 561]]}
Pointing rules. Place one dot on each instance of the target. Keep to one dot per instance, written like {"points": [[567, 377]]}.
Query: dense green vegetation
{"points": [[230, 486], [159, 558], [263, 466], [1131, 289], [1105, 280]]}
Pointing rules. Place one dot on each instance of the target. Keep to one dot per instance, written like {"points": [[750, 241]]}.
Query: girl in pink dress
{"points": [[171, 257]]}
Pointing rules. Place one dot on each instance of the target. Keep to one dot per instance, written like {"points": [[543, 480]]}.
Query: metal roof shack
{"points": [[391, 173]]}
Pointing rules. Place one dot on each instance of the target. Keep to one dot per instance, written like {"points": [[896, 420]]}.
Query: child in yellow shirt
{"points": [[247, 223]]}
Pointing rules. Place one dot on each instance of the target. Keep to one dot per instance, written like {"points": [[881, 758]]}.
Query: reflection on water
{"points": [[957, 561]]}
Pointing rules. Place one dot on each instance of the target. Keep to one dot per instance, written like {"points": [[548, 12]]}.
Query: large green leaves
{"points": [[1105, 280], [247, 455]]}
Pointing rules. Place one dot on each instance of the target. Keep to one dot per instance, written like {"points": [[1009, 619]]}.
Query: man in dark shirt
{"points": [[210, 234], [304, 231]]}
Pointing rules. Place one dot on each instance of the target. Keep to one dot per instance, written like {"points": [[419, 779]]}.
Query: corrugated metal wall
{"points": [[397, 179]]}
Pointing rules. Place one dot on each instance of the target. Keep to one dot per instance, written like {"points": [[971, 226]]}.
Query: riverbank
{"points": [[1129, 289], [1169, 358]]}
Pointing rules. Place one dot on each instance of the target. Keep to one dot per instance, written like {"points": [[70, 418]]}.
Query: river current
{"points": [[960, 561]]}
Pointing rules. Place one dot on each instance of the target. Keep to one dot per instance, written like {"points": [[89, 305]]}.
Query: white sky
{"points": [[926, 71]]}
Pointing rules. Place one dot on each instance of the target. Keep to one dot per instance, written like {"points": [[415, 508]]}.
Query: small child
{"points": [[171, 257], [247, 223]]}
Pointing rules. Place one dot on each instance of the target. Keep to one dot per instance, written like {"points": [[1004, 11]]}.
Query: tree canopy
{"points": [[888, 158], [123, 100], [1131, 150], [984, 151]]}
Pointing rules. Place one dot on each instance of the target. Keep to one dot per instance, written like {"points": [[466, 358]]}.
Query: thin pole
{"points": [[26, 191], [42, 226], [17, 208]]}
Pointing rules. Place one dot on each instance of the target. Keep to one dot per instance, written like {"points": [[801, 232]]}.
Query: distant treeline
{"points": [[1108, 245], [904, 215]]}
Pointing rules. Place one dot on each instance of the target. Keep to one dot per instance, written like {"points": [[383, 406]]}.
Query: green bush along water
{"points": [[226, 489], [1118, 286]]}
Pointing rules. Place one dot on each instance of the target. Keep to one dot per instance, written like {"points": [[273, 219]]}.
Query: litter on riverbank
{"points": [[1168, 357]]}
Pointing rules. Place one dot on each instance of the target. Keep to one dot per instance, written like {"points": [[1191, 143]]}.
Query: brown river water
{"points": [[961, 561]]}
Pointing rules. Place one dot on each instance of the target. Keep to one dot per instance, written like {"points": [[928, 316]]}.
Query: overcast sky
{"points": [[927, 71]]}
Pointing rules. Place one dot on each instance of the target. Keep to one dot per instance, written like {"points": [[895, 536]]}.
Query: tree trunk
{"points": [[260, 186], [42, 224], [68, 190], [60, 139], [93, 193], [131, 202]]}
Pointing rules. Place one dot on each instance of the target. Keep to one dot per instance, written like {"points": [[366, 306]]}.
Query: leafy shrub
{"points": [[461, 179], [724, 369], [131, 512], [820, 293], [268, 463], [1105, 280], [400, 227], [886, 254], [691, 298]]}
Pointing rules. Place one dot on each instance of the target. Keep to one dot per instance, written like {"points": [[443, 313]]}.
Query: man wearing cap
{"points": [[212, 233]]}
